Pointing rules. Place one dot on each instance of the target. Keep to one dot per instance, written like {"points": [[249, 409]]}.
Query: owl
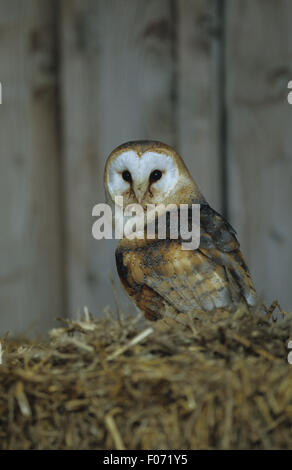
{"points": [[163, 279]]}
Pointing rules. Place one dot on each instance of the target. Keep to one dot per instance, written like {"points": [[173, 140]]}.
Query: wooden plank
{"points": [[198, 97], [30, 269], [117, 80], [258, 69]]}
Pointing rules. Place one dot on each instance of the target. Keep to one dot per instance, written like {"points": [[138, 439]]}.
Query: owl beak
{"points": [[140, 191]]}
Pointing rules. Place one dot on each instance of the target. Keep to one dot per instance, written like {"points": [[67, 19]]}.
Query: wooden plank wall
{"points": [[118, 57], [30, 234], [198, 99], [81, 76], [259, 141], [133, 83]]}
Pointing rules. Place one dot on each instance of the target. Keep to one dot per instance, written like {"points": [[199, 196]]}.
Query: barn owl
{"points": [[161, 278]]}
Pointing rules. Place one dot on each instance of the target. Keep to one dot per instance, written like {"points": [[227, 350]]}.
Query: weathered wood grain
{"points": [[117, 83], [30, 267], [258, 69], [169, 70], [198, 130]]}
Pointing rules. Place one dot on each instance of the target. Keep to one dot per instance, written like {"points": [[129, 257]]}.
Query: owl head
{"points": [[149, 172]]}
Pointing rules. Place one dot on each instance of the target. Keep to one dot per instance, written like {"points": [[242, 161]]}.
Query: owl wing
{"points": [[218, 242], [129, 266], [161, 277]]}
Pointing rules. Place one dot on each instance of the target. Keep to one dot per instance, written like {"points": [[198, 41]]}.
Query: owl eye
{"points": [[155, 176], [127, 176]]}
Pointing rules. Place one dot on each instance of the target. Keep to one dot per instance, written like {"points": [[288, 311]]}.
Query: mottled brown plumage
{"points": [[161, 278]]}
